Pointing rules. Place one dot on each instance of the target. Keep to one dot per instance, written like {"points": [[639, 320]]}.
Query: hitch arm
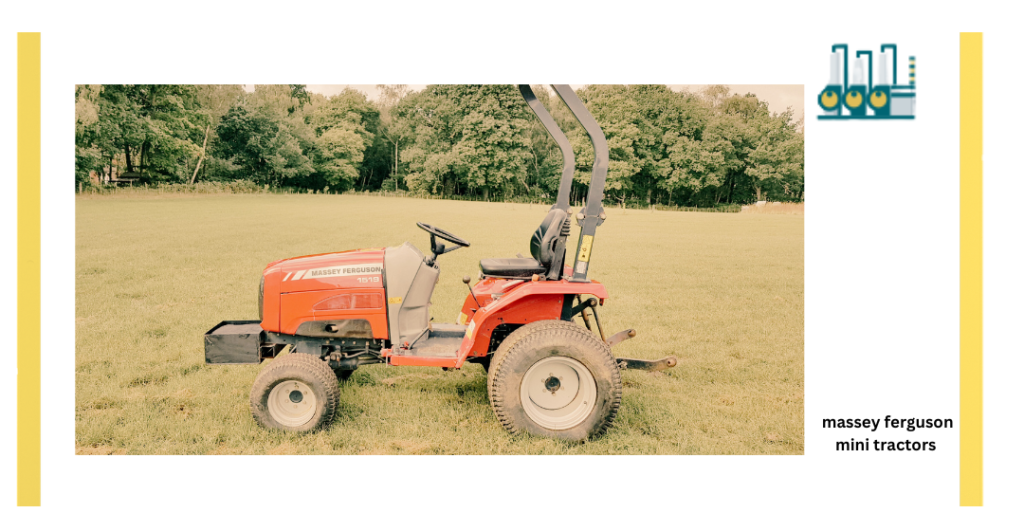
{"points": [[647, 365], [628, 333], [643, 365]]}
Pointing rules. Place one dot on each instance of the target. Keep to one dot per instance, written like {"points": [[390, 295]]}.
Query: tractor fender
{"points": [[524, 303]]}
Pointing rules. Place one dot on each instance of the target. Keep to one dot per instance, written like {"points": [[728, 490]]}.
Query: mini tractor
{"points": [[323, 316]]}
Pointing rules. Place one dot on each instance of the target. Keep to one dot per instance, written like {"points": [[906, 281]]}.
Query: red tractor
{"points": [[331, 313]]}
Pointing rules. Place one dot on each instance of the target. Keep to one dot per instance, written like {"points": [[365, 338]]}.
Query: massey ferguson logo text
{"points": [[341, 271]]}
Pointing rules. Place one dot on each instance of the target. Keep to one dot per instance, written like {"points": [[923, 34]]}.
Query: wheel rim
{"points": [[292, 403], [558, 393]]}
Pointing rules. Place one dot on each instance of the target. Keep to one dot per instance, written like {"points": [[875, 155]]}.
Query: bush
{"points": [[205, 187]]}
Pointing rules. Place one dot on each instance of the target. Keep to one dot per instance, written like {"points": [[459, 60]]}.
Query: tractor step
{"points": [[441, 341], [434, 347], [439, 347], [647, 365], [447, 330]]}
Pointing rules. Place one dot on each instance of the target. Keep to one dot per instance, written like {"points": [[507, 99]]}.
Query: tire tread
{"points": [[566, 332], [318, 368]]}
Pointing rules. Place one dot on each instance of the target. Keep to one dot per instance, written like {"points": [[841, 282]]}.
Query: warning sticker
{"points": [[585, 244]]}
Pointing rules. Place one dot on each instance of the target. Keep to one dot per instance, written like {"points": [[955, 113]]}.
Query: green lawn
{"points": [[722, 292]]}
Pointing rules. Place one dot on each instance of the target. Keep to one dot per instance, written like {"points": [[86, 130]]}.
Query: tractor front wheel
{"points": [[297, 392], [554, 379]]}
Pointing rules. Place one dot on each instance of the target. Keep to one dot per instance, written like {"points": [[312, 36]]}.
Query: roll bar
{"points": [[593, 214], [568, 157]]}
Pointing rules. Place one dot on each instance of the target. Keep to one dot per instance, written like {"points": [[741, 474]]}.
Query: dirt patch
{"points": [[143, 381], [411, 447], [285, 448], [99, 450]]}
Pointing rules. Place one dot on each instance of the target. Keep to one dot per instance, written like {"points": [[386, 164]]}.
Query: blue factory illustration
{"points": [[852, 97]]}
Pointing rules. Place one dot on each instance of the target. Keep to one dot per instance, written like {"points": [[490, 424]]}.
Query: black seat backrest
{"points": [[542, 245]]}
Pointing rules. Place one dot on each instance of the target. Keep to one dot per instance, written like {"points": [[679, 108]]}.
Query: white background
{"points": [[882, 262]]}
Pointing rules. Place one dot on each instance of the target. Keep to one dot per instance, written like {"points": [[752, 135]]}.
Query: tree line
{"points": [[677, 148]]}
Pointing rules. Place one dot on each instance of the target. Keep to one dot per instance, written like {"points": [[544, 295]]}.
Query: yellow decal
{"points": [[585, 245], [462, 319], [829, 99], [395, 300], [853, 99], [878, 99], [470, 328]]}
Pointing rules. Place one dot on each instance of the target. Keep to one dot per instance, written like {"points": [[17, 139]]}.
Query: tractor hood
{"points": [[360, 268]]}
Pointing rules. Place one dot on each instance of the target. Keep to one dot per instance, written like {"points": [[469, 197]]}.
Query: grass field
{"points": [[722, 292]]}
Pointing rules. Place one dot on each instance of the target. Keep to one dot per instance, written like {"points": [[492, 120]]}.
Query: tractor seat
{"points": [[542, 247], [511, 267]]}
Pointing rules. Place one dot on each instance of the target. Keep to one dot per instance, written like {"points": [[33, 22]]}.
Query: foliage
{"points": [[89, 153], [468, 139], [478, 141], [202, 187]]}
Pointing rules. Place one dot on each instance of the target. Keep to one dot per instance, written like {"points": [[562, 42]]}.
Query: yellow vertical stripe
{"points": [[29, 133], [970, 270]]}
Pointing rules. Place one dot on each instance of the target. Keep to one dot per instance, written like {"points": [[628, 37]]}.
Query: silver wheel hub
{"points": [[292, 403], [558, 393]]}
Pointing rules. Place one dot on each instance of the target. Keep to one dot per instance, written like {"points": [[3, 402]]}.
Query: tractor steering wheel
{"points": [[443, 234]]}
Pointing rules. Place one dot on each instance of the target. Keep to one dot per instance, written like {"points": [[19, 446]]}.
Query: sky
{"points": [[779, 97]]}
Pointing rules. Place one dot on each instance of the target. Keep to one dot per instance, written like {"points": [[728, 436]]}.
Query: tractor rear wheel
{"points": [[554, 379], [297, 392]]}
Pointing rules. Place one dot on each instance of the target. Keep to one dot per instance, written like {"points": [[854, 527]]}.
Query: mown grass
{"points": [[722, 292]]}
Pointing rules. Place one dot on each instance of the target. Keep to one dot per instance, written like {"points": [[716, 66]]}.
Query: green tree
{"points": [[214, 101], [775, 162], [89, 155], [156, 127], [345, 125], [338, 153], [265, 138], [261, 147], [641, 123], [470, 139], [392, 129], [667, 147]]}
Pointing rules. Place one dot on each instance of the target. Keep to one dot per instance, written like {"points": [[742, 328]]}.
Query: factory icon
{"points": [[853, 97]]}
